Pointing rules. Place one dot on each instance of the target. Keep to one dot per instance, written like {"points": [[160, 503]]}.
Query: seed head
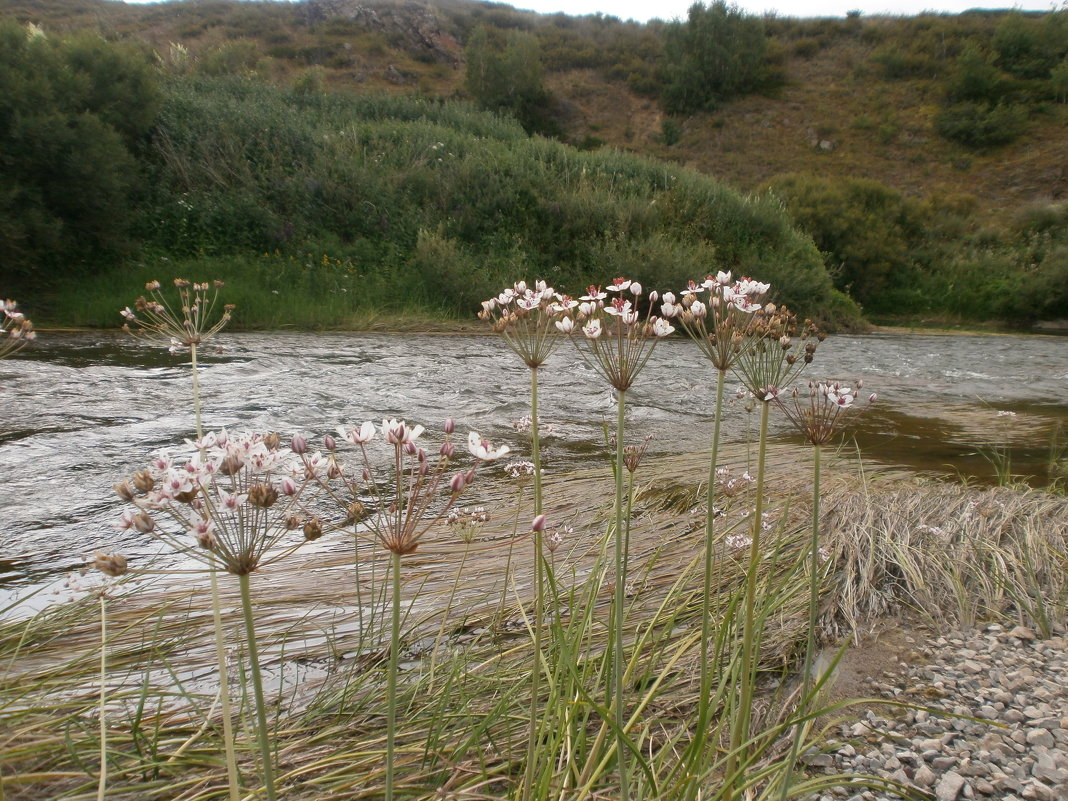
{"points": [[262, 495], [110, 564]]}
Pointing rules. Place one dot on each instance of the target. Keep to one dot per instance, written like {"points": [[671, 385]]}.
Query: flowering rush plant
{"points": [[15, 329], [779, 349], [423, 486], [231, 502], [717, 314], [618, 339], [524, 316], [184, 325], [824, 409]]}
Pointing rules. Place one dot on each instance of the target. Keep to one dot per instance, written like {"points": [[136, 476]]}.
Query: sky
{"points": [[644, 10]]}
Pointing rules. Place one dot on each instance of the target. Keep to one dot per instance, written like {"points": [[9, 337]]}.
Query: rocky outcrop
{"points": [[416, 25]]}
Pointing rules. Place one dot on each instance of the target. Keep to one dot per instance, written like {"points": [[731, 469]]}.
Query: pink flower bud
{"points": [[873, 398], [329, 443], [298, 444], [289, 486], [457, 484], [410, 449], [538, 524], [448, 450], [450, 425]]}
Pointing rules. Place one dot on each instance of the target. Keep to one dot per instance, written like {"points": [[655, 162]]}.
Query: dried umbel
{"points": [[185, 324], [717, 313], [779, 348], [612, 334], [824, 410], [15, 330], [230, 503], [422, 486], [110, 564], [525, 318]]}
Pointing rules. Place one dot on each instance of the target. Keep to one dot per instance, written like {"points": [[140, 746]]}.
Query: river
{"points": [[81, 411]]}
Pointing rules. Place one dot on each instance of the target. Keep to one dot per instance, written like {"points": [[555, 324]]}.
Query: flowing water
{"points": [[82, 411]]}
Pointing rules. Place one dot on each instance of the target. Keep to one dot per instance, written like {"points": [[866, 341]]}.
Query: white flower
{"points": [[592, 329], [482, 449], [362, 436], [398, 433], [662, 327], [566, 325], [618, 285]]}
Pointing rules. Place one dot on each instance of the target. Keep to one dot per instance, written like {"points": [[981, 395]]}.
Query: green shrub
{"points": [[981, 125], [720, 52]]}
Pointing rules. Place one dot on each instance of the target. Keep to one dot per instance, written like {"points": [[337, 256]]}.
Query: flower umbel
{"points": [[616, 340], [423, 487], [229, 504], [184, 325], [526, 317], [15, 330], [824, 410], [719, 321], [779, 349]]}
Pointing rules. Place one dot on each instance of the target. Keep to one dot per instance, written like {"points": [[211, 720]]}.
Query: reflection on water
{"points": [[81, 411]]}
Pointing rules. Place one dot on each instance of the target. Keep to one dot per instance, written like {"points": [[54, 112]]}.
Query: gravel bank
{"points": [[1012, 745]]}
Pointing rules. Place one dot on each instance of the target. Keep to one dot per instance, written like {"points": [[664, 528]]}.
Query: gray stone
{"points": [[949, 786]]}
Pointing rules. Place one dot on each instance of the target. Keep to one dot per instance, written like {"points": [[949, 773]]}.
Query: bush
{"points": [[718, 53], [72, 115], [980, 125]]}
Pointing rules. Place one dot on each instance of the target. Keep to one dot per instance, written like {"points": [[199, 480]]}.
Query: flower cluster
{"points": [[823, 410], [718, 325], [15, 329], [402, 509], [778, 351], [183, 326], [617, 339], [466, 523], [524, 316], [228, 504]]}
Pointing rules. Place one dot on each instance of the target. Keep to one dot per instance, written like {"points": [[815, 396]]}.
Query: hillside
{"points": [[926, 157], [836, 114]]}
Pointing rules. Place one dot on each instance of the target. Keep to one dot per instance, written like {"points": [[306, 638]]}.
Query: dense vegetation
{"points": [[955, 120]]}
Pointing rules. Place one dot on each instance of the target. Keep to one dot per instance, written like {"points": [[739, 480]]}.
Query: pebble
{"points": [[1012, 682]]}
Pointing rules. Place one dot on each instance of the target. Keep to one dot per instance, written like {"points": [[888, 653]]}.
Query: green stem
{"points": [[102, 786], [539, 597], [748, 661], [391, 677], [232, 776], [813, 612], [617, 619], [704, 698], [257, 686], [196, 389]]}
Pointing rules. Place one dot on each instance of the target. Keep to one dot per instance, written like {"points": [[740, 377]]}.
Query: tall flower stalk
{"points": [[190, 323], [403, 508], [525, 318], [719, 323], [236, 504], [616, 341], [16, 331], [779, 349], [112, 565], [818, 415]]}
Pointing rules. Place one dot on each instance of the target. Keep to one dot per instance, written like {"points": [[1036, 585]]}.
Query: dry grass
{"points": [[895, 541]]}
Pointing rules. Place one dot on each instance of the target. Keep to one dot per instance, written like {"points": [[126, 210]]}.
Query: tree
{"points": [[70, 114], [505, 74], [718, 53]]}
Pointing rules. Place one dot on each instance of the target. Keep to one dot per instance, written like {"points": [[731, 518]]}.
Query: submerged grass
{"points": [[462, 728]]}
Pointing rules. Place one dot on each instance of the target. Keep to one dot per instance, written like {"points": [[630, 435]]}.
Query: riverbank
{"points": [[892, 542]]}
